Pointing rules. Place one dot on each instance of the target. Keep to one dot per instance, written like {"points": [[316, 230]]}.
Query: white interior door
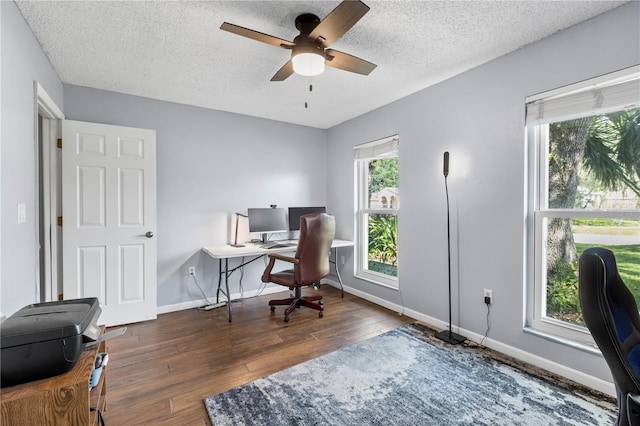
{"points": [[109, 219]]}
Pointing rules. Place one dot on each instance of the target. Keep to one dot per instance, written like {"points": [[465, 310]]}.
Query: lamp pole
{"points": [[448, 335]]}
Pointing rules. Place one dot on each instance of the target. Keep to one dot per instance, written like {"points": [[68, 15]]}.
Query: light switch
{"points": [[22, 213]]}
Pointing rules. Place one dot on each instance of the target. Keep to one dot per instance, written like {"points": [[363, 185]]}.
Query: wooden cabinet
{"points": [[60, 400]]}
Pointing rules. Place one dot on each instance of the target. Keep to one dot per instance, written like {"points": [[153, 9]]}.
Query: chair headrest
{"points": [[608, 259]]}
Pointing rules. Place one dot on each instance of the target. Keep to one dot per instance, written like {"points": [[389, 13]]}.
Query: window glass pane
{"points": [[383, 244], [567, 239], [594, 162], [561, 272], [383, 184]]}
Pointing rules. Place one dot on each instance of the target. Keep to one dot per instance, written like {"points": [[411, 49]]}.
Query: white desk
{"points": [[226, 252]]}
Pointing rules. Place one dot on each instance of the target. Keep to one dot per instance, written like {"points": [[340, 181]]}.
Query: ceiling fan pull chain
{"points": [[306, 105]]}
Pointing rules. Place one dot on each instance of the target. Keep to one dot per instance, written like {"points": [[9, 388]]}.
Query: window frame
{"points": [[537, 138], [363, 210]]}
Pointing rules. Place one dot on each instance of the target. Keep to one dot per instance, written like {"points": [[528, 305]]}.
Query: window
{"points": [[584, 158], [376, 166]]}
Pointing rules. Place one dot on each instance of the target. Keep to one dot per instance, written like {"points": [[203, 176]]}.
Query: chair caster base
{"points": [[296, 301]]}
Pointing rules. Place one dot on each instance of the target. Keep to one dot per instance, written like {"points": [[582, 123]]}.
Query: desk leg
{"points": [[335, 264], [226, 285], [224, 272], [219, 280]]}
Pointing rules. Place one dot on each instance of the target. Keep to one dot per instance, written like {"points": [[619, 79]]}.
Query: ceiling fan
{"points": [[309, 50]]}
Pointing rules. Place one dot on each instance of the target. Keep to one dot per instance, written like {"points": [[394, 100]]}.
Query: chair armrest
{"points": [[272, 261], [278, 256]]}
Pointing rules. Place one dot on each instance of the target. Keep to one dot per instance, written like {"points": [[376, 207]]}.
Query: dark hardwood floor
{"points": [[160, 371]]}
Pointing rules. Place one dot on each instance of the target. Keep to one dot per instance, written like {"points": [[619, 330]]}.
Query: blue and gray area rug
{"points": [[403, 377]]}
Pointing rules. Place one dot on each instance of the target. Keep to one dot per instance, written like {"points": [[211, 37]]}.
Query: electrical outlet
{"points": [[342, 260], [192, 271], [488, 296]]}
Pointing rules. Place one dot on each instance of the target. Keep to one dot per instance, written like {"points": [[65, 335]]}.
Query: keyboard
{"points": [[279, 244]]}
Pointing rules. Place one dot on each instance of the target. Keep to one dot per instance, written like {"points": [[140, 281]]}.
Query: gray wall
{"points": [[478, 117], [23, 62], [210, 164]]}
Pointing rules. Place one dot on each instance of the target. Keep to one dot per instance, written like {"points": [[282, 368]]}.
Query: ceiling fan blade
{"points": [[255, 35], [346, 62], [284, 72], [339, 21]]}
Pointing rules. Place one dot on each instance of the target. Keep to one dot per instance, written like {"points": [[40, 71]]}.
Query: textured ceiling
{"points": [[175, 51]]}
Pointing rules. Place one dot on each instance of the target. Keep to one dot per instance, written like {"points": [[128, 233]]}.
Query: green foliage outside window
{"points": [[383, 242], [562, 286], [383, 173], [383, 229]]}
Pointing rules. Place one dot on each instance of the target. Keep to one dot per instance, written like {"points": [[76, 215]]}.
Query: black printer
{"points": [[46, 339]]}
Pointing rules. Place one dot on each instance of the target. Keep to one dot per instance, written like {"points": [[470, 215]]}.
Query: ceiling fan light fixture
{"points": [[308, 63], [310, 49]]}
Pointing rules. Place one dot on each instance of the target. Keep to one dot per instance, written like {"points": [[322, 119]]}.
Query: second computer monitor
{"points": [[296, 212]]}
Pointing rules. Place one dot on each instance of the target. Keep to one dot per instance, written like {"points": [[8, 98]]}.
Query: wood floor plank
{"points": [[160, 371]]}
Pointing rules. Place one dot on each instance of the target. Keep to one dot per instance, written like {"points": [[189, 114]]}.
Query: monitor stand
{"points": [[265, 238]]}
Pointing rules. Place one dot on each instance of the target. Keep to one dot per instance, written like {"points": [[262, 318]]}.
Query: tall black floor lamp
{"points": [[448, 335]]}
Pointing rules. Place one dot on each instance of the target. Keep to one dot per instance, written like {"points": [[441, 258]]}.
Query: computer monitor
{"points": [[267, 220], [296, 212]]}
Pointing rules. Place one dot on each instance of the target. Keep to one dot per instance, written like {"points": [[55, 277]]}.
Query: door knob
{"points": [[149, 234]]}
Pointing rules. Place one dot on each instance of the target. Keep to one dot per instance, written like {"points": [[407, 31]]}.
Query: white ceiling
{"points": [[174, 50]]}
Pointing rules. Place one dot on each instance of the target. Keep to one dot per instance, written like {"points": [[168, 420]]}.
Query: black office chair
{"points": [[310, 263], [611, 314]]}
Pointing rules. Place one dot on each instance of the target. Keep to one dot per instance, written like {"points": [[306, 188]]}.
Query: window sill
{"points": [[594, 350], [372, 280]]}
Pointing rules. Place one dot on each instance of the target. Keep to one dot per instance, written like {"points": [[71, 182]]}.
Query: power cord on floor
{"points": [[488, 323], [201, 291], [240, 284], [211, 304]]}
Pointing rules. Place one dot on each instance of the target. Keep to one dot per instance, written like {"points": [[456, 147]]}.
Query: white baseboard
{"points": [[535, 360], [202, 302]]}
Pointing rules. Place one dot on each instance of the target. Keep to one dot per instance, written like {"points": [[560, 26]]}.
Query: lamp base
{"points": [[450, 337], [237, 245]]}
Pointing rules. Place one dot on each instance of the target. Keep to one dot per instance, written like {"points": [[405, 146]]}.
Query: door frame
{"points": [[50, 250]]}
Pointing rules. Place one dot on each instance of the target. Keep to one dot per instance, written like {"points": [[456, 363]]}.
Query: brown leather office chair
{"points": [[310, 263]]}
